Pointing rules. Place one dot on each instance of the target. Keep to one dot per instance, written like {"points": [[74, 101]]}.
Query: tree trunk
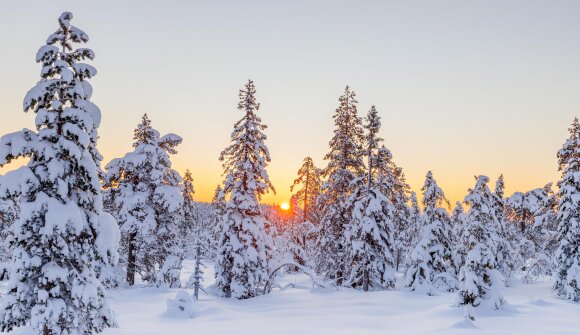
{"points": [[366, 279], [131, 259], [197, 274]]}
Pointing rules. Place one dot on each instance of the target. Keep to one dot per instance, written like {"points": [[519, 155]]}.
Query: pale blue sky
{"points": [[464, 87]]}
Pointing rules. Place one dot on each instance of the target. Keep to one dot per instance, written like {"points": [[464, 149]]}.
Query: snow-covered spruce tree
{"points": [[531, 223], [431, 265], [62, 233], [147, 200], [480, 280], [457, 246], [190, 225], [194, 234], [309, 184], [393, 184], [242, 263], [368, 236], [412, 233], [345, 165], [218, 206], [567, 276], [506, 253]]}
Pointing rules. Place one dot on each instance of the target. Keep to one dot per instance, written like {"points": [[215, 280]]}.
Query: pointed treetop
{"points": [[144, 133], [499, 186], [570, 152], [433, 195], [188, 188], [373, 126], [248, 98]]}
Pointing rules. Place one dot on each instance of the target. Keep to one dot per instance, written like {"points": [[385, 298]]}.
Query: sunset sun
{"points": [[284, 206]]}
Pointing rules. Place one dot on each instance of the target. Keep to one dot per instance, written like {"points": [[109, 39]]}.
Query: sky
{"points": [[463, 87]]}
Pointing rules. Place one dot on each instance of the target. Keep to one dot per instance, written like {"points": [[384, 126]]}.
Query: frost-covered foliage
{"points": [[369, 235], [412, 233], [506, 250], [190, 226], [217, 211], [431, 263], [143, 192], [309, 185], [531, 228], [394, 186], [9, 211], [457, 227], [567, 274], [480, 279], [291, 236], [62, 234], [242, 260], [345, 165]]}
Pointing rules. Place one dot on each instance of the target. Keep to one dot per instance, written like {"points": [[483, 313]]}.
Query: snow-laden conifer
{"points": [[62, 235], [532, 229], [242, 260], [412, 233], [480, 279], [431, 266], [567, 276], [309, 184], [457, 246], [506, 253], [369, 234], [393, 184], [145, 195], [345, 165]]}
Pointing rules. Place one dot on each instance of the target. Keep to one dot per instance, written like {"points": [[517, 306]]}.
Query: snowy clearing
{"points": [[304, 310]]}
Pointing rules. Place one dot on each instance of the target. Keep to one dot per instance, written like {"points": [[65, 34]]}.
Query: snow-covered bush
{"points": [[431, 263], [181, 307]]}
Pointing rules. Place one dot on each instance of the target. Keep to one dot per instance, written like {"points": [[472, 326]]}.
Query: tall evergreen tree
{"points": [[480, 279], [412, 233], [62, 234], [431, 261], [188, 226], [309, 182], [345, 165], [458, 248], [394, 186], [567, 276], [506, 259], [218, 206], [242, 261], [146, 199], [369, 235]]}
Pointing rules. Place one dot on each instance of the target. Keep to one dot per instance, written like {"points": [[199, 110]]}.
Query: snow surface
{"points": [[531, 309]]}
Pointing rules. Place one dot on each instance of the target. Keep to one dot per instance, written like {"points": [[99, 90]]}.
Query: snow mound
{"points": [[182, 307]]}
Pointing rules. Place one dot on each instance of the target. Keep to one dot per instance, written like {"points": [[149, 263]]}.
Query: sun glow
{"points": [[284, 206]]}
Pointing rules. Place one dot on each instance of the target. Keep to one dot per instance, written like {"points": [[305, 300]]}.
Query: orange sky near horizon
{"points": [[463, 88]]}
